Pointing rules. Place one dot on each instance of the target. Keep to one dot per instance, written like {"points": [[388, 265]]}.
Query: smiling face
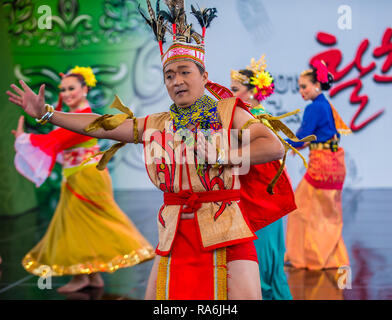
{"points": [[73, 92], [308, 89], [184, 82]]}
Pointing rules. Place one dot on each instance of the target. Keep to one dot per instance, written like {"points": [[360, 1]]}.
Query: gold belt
{"points": [[328, 145]]}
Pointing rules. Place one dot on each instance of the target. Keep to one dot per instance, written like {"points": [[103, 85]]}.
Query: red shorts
{"points": [[242, 251]]}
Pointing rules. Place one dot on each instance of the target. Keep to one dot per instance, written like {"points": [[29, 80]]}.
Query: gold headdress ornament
{"points": [[255, 66], [241, 78], [262, 81], [264, 87]]}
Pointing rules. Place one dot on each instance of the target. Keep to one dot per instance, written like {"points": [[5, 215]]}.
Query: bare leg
{"points": [[152, 281], [96, 280], [243, 280], [77, 283]]}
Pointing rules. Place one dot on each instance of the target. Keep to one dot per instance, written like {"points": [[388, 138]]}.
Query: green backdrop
{"points": [[107, 35]]}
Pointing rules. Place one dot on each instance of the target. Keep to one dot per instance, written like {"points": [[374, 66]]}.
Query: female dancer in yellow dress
{"points": [[89, 233], [314, 231]]}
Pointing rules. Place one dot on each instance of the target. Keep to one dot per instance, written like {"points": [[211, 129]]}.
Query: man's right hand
{"points": [[32, 104]]}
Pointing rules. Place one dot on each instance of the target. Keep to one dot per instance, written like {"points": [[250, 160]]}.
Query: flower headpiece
{"points": [[261, 79], [321, 71], [87, 74], [174, 21]]}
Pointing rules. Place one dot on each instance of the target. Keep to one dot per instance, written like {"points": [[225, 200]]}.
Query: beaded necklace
{"points": [[203, 112], [203, 115]]}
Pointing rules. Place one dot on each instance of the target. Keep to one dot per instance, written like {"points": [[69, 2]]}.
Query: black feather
{"points": [[204, 17], [143, 14], [198, 15], [167, 15], [172, 15], [157, 25], [210, 15], [158, 7]]}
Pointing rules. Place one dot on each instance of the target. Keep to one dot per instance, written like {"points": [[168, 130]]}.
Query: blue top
{"points": [[318, 120]]}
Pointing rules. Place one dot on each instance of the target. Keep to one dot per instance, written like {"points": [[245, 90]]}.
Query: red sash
{"points": [[193, 200]]}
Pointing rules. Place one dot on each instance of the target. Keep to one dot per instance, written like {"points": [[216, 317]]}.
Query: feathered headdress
{"points": [[174, 21]]}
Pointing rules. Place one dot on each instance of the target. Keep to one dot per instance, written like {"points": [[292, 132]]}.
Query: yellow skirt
{"points": [[314, 230], [88, 232]]}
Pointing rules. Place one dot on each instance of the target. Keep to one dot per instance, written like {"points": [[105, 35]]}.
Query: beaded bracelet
{"points": [[135, 131], [46, 117]]}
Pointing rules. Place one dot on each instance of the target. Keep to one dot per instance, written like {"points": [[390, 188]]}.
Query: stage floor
{"points": [[366, 232]]}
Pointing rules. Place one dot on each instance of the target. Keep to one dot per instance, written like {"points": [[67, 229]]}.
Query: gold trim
{"points": [[135, 257], [276, 125], [221, 274], [241, 78], [111, 122], [135, 131], [162, 277]]}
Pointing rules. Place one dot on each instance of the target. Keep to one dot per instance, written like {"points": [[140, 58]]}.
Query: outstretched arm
{"points": [[34, 105]]}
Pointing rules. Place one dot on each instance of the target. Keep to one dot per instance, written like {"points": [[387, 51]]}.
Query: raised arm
{"points": [[34, 105]]}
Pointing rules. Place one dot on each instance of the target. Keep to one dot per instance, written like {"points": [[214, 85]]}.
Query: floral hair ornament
{"points": [[88, 76], [261, 79], [321, 71]]}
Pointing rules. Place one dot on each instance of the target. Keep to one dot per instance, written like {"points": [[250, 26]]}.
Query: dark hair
{"points": [[79, 77], [312, 74], [201, 69], [249, 74]]}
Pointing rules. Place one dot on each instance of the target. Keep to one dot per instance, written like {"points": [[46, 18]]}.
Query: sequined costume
{"points": [[88, 232]]}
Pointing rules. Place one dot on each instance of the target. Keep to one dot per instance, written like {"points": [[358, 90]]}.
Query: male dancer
{"points": [[205, 248]]}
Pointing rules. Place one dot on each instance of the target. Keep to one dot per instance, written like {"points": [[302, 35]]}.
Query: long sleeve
{"points": [[308, 125], [36, 153]]}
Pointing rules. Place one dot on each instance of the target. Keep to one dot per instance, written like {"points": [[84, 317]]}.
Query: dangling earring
{"points": [[317, 89], [251, 97]]}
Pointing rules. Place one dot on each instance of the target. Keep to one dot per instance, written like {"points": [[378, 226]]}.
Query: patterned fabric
{"points": [[75, 156], [203, 112], [326, 169], [220, 224], [184, 51], [256, 111]]}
